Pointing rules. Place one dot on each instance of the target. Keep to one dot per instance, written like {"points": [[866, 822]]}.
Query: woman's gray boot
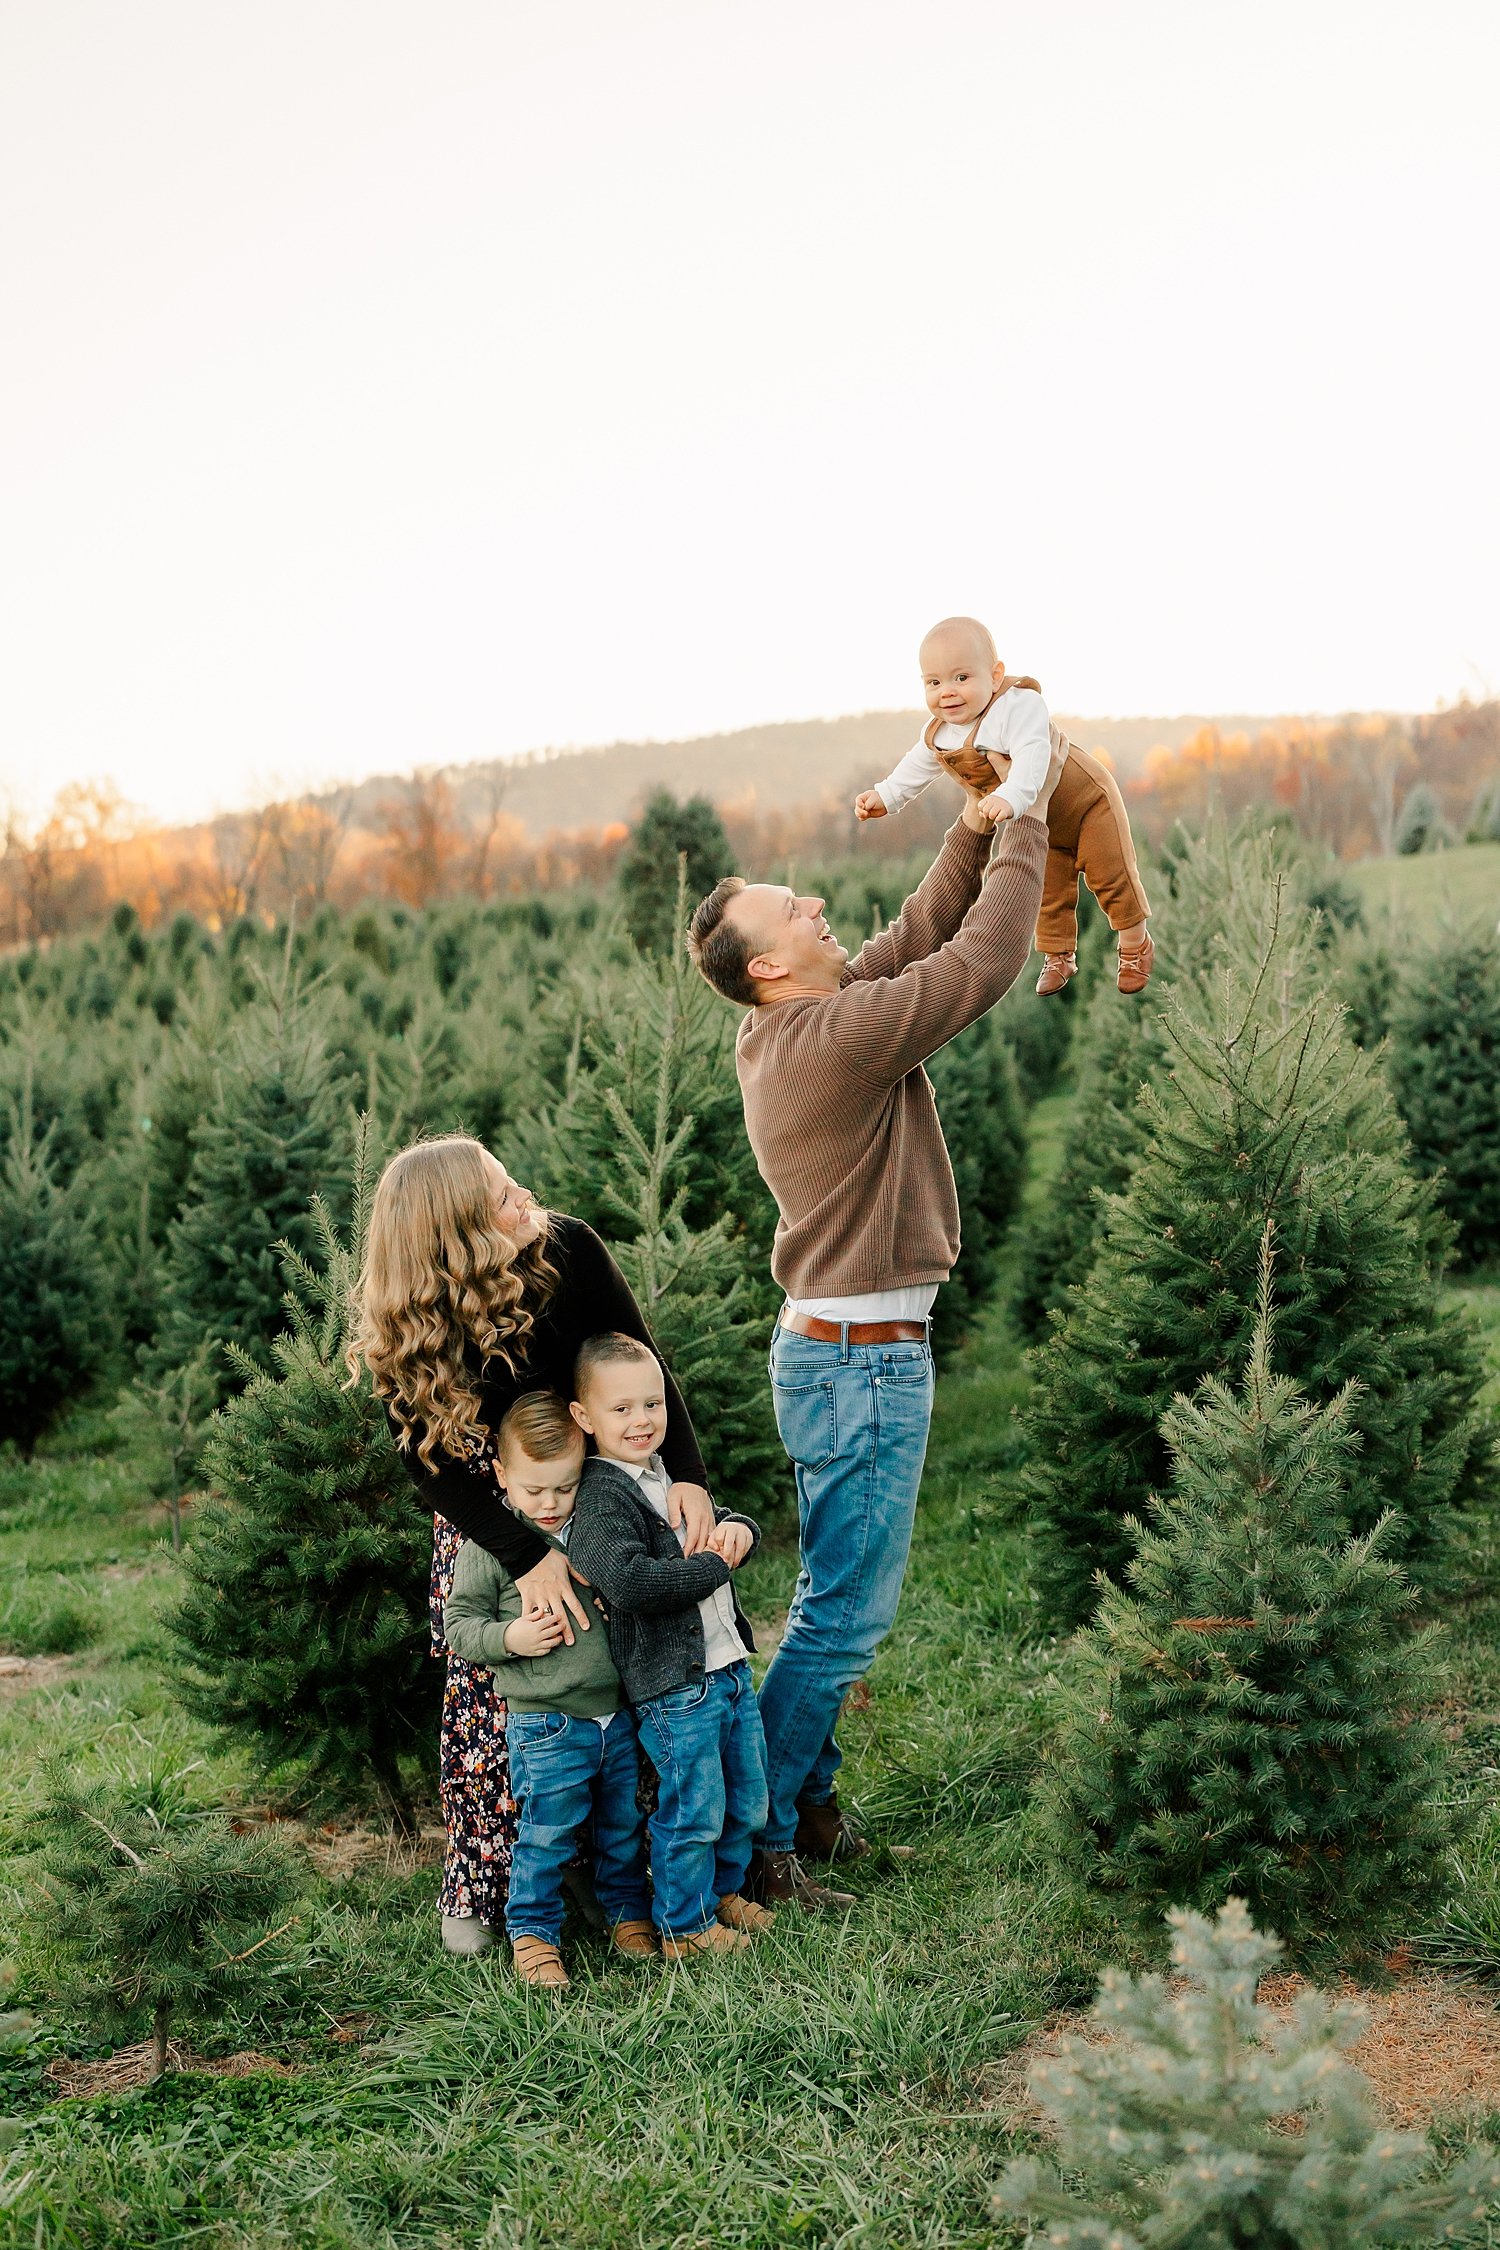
{"points": [[465, 1933]]}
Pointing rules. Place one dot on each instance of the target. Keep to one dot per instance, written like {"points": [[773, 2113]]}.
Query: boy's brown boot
{"points": [[636, 1940], [1057, 970], [780, 1879], [738, 1913], [715, 1939], [826, 1832], [537, 1962], [1135, 966]]}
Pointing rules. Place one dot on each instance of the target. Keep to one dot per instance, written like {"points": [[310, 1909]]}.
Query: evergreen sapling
{"points": [[1244, 1719], [157, 1910], [303, 1630], [53, 1312], [1444, 1065], [1203, 2121], [669, 836], [272, 1139], [1269, 1115]]}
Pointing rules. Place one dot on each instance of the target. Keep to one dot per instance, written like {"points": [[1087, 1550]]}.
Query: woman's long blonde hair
{"points": [[440, 1276]]}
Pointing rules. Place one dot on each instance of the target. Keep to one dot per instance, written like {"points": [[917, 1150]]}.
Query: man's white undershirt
{"points": [[914, 1303]]}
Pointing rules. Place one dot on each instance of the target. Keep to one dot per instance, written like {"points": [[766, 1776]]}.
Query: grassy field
{"points": [[1461, 886], [843, 2085]]}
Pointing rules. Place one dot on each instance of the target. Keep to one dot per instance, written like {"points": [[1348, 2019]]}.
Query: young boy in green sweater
{"points": [[570, 1734]]}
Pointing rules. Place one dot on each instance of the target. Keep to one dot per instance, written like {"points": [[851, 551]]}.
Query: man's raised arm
{"points": [[882, 1027], [936, 907]]}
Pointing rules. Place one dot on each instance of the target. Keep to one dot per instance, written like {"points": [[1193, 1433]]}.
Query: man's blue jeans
{"points": [[854, 1418], [706, 1744], [562, 1770]]}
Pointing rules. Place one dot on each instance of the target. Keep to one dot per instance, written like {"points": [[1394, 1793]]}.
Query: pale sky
{"points": [[385, 385]]}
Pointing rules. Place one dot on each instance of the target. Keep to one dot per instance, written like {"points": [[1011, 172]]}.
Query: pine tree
{"points": [[272, 1139], [157, 1909], [666, 833], [303, 1630], [1269, 1115], [53, 1316], [1217, 888], [1120, 1047], [1241, 1722], [1204, 2120], [1484, 820], [974, 1081], [1420, 826], [1444, 1066], [165, 1423]]}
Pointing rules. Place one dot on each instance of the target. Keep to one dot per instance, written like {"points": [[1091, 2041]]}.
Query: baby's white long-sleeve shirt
{"points": [[1016, 723]]}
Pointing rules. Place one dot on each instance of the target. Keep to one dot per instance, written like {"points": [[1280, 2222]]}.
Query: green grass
{"points": [[1429, 890], [836, 2087]]}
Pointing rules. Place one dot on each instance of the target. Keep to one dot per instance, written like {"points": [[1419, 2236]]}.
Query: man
{"points": [[841, 1118]]}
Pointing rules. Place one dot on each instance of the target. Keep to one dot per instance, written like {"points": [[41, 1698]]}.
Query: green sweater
{"points": [[580, 1681]]}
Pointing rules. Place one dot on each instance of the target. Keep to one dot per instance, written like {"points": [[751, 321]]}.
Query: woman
{"points": [[472, 1295]]}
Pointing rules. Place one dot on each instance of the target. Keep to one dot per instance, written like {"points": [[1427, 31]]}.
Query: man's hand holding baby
{"points": [[733, 1541]]}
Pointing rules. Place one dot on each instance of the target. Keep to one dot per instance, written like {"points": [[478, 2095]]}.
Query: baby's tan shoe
{"points": [[1057, 970], [1136, 966], [738, 1913], [715, 1939], [537, 1962]]}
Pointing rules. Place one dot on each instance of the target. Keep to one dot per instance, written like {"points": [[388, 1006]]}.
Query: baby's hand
{"points": [[733, 1541], [536, 1635], [869, 805], [995, 807]]}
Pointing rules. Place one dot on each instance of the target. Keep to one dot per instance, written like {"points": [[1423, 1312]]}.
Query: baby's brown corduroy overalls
{"points": [[1088, 832]]}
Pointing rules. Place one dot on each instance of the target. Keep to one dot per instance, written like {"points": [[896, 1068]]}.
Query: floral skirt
{"points": [[479, 1812]]}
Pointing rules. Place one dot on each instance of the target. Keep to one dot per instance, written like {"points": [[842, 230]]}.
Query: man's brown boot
{"points": [[738, 1913], [715, 1939], [780, 1879], [824, 1832], [537, 1962], [1057, 970], [1136, 965], [636, 1940]]}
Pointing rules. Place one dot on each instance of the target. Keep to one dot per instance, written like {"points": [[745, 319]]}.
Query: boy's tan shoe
{"points": [[1135, 966], [738, 1913], [780, 1879], [1057, 970], [637, 1940], [537, 1962], [715, 1939]]}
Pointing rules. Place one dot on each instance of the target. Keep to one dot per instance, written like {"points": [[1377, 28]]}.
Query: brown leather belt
{"points": [[859, 1331]]}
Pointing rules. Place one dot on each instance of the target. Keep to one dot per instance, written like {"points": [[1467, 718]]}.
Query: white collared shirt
{"points": [[722, 1645], [1015, 722]]}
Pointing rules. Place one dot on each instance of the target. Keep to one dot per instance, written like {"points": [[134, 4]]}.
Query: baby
{"points": [[572, 1743], [985, 726], [679, 1638]]}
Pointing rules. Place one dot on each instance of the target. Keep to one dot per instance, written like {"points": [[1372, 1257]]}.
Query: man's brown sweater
{"points": [[837, 1105]]}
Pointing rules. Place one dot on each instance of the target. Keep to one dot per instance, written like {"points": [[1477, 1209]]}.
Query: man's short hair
{"points": [[540, 1426], [603, 1351], [720, 951]]}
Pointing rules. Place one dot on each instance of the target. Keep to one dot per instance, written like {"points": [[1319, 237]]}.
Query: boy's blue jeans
{"points": [[706, 1744], [562, 1770], [854, 1418]]}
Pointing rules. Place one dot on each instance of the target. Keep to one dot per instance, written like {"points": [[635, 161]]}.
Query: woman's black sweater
{"points": [[592, 1295]]}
